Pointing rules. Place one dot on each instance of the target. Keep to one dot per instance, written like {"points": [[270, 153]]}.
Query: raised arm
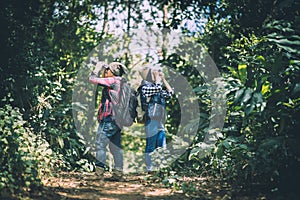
{"points": [[170, 90], [101, 81]]}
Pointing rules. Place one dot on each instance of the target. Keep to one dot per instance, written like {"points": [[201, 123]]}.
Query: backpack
{"points": [[125, 109], [143, 101], [153, 109]]}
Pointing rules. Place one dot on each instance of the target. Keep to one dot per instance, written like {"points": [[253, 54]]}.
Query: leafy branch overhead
{"points": [[254, 44]]}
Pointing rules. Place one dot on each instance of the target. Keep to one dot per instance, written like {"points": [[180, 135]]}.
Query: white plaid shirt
{"points": [[149, 90]]}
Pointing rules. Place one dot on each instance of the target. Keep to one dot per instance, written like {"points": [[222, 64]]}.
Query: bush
{"points": [[24, 156]]}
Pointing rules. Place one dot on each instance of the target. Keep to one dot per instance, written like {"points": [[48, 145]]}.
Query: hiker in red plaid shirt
{"points": [[108, 131]]}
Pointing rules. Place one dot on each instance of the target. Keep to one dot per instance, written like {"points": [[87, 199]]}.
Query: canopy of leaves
{"points": [[255, 45]]}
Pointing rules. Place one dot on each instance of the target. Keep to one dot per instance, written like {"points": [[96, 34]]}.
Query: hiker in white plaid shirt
{"points": [[153, 103]]}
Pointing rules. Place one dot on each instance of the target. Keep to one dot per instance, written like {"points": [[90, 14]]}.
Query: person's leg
{"points": [[161, 139], [116, 150], [161, 143], [101, 143], [151, 128]]}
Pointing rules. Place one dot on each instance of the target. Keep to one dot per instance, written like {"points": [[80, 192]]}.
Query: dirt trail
{"points": [[88, 186]]}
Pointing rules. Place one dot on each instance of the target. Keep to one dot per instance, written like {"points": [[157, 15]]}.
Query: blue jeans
{"points": [[109, 134], [155, 137]]}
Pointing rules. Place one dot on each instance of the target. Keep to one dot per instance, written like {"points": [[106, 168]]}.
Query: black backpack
{"points": [[125, 109]]}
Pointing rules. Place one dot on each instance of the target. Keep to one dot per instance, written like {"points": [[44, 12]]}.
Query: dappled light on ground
{"points": [[88, 186]]}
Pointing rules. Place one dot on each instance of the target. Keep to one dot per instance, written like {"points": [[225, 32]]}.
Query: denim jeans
{"points": [[109, 134], [155, 137]]}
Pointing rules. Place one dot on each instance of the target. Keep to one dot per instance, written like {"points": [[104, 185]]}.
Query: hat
{"points": [[144, 71], [118, 69]]}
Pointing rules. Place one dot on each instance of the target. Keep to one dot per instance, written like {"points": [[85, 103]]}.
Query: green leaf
{"points": [[233, 71], [238, 95], [296, 88], [261, 58], [266, 87], [258, 98], [249, 108], [285, 41], [247, 95], [243, 146], [226, 144], [27, 183], [60, 141], [194, 152], [242, 69], [196, 166]]}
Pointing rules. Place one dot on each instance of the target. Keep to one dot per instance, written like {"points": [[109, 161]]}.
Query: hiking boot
{"points": [[151, 173], [117, 175], [99, 171]]}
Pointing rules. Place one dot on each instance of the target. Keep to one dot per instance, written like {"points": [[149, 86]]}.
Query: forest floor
{"points": [[87, 186]]}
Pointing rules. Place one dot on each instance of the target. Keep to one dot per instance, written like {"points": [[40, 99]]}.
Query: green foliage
{"points": [[258, 141], [25, 157], [254, 44], [44, 44]]}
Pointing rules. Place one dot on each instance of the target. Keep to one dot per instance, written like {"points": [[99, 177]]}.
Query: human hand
{"points": [[156, 76], [169, 88], [162, 75], [155, 73], [98, 67]]}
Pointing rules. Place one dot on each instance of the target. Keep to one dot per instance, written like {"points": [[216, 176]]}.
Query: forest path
{"points": [[87, 186], [75, 185]]}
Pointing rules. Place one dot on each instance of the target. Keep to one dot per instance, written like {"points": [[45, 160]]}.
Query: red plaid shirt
{"points": [[104, 110], [110, 92]]}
